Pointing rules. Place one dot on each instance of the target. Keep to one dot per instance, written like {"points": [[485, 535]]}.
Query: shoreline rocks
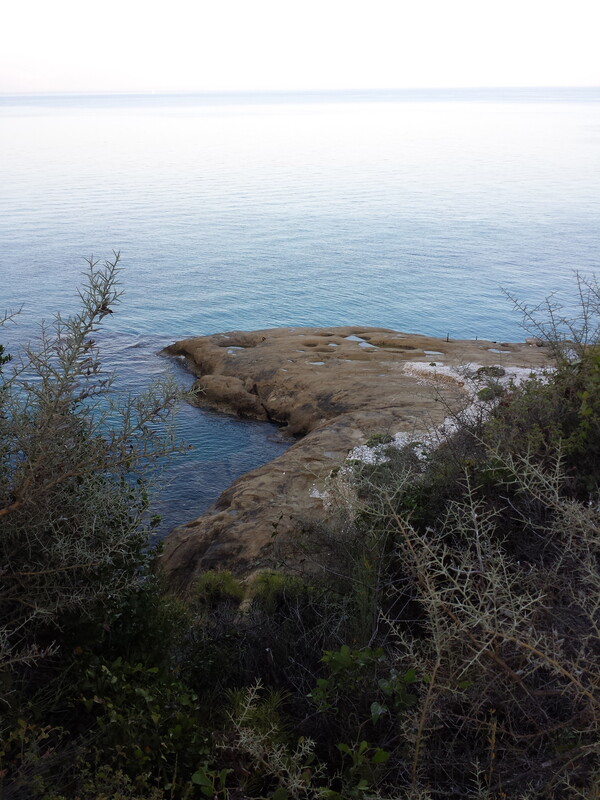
{"points": [[331, 387]]}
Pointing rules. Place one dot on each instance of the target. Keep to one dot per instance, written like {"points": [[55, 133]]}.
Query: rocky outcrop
{"points": [[331, 388]]}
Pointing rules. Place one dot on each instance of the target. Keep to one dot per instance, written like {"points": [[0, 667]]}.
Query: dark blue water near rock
{"points": [[406, 209]]}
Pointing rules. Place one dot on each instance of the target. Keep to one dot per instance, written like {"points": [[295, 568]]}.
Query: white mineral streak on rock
{"points": [[369, 455], [425, 441]]}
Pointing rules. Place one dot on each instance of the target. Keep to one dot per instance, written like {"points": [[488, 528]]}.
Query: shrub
{"points": [[105, 783], [494, 607], [145, 722], [274, 590], [217, 586], [72, 491], [568, 330], [486, 561], [379, 438], [491, 372], [490, 392], [74, 553]]}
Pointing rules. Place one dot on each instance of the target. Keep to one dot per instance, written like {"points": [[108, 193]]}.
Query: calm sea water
{"points": [[404, 209]]}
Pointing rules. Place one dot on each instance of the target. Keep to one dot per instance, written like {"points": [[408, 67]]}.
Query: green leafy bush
{"points": [[273, 590], [145, 722], [217, 586]]}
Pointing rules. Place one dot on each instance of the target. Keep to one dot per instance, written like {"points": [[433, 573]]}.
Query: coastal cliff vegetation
{"points": [[447, 645]]}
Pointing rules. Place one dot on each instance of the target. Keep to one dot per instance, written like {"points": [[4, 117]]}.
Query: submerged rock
{"points": [[332, 399]]}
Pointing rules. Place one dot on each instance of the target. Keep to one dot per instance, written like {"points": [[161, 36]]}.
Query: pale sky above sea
{"points": [[277, 45]]}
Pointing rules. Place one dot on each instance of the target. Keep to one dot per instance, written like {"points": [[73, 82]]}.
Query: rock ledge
{"points": [[333, 387]]}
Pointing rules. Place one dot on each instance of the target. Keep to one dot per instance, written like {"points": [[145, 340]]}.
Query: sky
{"points": [[273, 45]]}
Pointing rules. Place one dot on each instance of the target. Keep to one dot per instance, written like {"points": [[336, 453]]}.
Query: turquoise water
{"points": [[407, 209]]}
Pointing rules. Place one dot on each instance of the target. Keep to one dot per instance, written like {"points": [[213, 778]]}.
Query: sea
{"points": [[418, 210]]}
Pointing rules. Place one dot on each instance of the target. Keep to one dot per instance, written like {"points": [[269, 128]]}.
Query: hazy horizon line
{"points": [[371, 90]]}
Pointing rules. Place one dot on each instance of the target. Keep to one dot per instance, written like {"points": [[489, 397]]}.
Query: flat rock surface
{"points": [[330, 387]]}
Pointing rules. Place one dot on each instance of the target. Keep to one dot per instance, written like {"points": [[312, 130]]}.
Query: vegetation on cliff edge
{"points": [[448, 647]]}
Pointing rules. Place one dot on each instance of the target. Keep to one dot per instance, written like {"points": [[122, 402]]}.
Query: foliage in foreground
{"points": [[448, 648]]}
